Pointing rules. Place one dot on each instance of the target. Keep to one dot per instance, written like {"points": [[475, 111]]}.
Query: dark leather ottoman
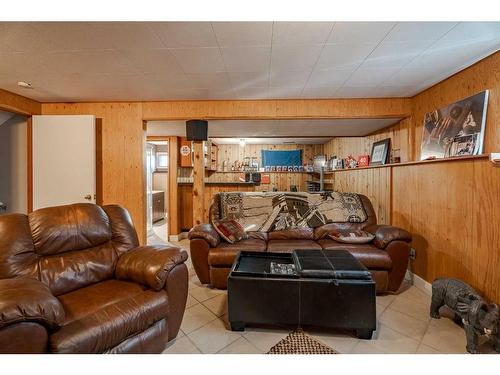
{"points": [[329, 288]]}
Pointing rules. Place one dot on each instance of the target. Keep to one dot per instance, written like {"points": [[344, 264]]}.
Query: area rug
{"points": [[300, 343]]}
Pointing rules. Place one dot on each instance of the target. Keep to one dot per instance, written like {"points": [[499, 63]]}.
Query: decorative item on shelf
{"points": [[332, 163], [363, 161], [395, 156], [278, 168], [350, 162], [319, 162], [445, 128], [290, 168], [301, 168], [340, 164], [295, 168], [380, 154], [241, 177], [471, 311], [273, 168], [309, 168], [267, 168]]}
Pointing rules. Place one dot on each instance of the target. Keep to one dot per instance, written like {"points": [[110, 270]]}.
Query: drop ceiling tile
{"points": [[395, 91], [243, 33], [328, 77], [395, 54], [359, 32], [160, 61], [128, 35], [356, 92], [241, 93], [318, 92], [89, 62], [301, 32], [454, 55], [294, 57], [199, 60], [73, 36], [370, 77], [344, 55], [285, 78], [418, 31], [23, 37], [246, 59], [21, 64], [413, 76], [243, 80], [284, 92], [212, 81], [185, 34], [473, 30], [181, 93]]}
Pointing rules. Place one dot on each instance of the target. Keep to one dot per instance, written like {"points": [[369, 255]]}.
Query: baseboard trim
{"points": [[418, 282]]}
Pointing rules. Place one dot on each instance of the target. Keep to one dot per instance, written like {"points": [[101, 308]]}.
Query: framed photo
{"points": [[465, 118], [380, 152]]}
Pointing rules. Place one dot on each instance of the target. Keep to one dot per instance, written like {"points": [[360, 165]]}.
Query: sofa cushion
{"points": [[103, 315], [368, 254], [224, 254], [305, 233], [230, 230], [287, 246]]}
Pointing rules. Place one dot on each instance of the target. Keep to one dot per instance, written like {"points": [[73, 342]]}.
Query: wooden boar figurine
{"points": [[477, 316]]}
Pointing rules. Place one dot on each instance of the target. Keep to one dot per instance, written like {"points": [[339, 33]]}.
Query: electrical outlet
{"points": [[413, 253]]}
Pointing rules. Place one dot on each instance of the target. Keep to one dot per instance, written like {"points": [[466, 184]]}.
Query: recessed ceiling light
{"points": [[24, 85]]}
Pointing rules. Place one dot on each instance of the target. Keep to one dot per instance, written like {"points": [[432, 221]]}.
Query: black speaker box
{"points": [[197, 130]]}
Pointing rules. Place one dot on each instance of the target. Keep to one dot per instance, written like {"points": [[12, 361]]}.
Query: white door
{"points": [[64, 160]]}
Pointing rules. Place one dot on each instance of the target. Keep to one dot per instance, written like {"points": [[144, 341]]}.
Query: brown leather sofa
{"points": [[73, 279], [386, 256]]}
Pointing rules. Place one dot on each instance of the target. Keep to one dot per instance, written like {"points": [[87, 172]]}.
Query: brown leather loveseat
{"points": [[386, 256], [73, 279]]}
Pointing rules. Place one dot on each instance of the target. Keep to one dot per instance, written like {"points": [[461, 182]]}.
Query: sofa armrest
{"points": [[385, 234], [149, 265], [206, 232], [29, 300]]}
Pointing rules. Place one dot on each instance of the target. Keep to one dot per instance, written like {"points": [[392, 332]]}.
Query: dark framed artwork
{"points": [[380, 152], [455, 130]]}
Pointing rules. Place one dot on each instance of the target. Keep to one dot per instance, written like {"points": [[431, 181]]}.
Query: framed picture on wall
{"points": [[455, 130], [380, 152]]}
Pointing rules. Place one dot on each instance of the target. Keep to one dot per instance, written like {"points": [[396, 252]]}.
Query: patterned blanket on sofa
{"points": [[274, 211]]}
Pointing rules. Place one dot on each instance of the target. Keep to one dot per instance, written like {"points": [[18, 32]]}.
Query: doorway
{"points": [[157, 177], [13, 162]]}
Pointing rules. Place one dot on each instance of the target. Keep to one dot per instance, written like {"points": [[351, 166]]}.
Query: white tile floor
{"points": [[404, 326]]}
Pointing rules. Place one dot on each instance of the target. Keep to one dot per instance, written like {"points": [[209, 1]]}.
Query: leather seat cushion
{"points": [[287, 246], [224, 254], [371, 256], [102, 315]]}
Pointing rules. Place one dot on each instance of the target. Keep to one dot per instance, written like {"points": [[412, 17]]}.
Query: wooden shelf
{"points": [[457, 158], [268, 172]]}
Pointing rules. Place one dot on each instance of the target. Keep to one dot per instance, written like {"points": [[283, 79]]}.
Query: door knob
{"points": [[88, 197]]}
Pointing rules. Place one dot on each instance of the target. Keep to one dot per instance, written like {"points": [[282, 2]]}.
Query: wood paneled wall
{"points": [[400, 134], [453, 210], [375, 183], [231, 153]]}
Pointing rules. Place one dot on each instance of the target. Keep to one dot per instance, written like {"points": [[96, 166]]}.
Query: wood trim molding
{"points": [[29, 163], [19, 104]]}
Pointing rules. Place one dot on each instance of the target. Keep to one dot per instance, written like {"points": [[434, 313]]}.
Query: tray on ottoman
{"points": [[327, 288]]}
